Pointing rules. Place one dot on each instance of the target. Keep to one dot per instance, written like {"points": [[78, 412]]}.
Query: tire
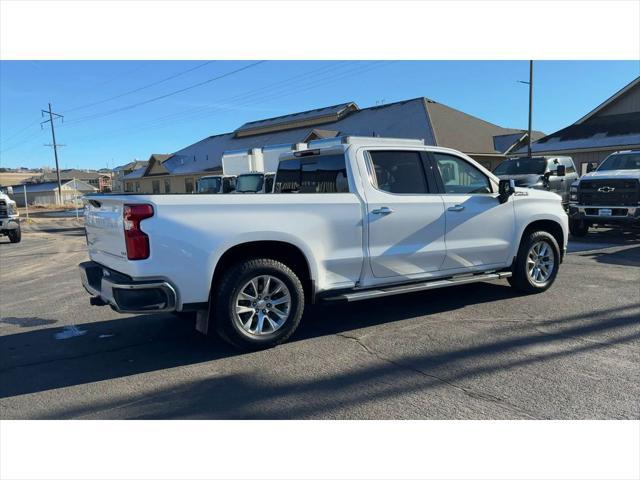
{"points": [[524, 270], [15, 235], [244, 288], [578, 228]]}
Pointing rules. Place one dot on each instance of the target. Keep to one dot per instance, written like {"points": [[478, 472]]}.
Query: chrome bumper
{"points": [[124, 294]]}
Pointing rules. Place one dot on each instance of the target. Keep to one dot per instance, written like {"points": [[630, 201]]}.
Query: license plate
{"points": [[604, 212]]}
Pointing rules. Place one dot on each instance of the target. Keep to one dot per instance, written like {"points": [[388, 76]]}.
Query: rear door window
{"points": [[399, 172]]}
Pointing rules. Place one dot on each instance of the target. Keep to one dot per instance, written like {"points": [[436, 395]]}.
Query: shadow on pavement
{"points": [[138, 344]]}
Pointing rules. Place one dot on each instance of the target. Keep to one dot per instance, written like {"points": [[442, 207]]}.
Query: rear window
{"points": [[315, 174]]}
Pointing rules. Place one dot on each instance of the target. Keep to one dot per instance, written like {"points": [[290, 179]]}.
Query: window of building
{"points": [[398, 172], [137, 186], [155, 186], [167, 185], [128, 187], [459, 176], [188, 185], [315, 174]]}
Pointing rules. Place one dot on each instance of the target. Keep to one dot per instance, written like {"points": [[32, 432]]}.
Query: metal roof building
{"points": [[418, 118], [611, 126]]}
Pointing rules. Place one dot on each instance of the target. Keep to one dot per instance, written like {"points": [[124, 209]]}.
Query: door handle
{"points": [[456, 208], [382, 211]]}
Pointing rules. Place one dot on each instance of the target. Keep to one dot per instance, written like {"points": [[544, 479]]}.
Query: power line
{"points": [[153, 84], [17, 132], [166, 95], [248, 98]]}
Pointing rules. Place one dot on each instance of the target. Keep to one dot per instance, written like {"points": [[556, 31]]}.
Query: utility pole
{"points": [[530, 105], [530, 83], [54, 145]]}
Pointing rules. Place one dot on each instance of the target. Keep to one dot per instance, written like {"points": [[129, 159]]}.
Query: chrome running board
{"points": [[354, 296]]}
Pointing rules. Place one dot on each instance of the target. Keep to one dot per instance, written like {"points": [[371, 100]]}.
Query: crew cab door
{"points": [[404, 215], [479, 229]]}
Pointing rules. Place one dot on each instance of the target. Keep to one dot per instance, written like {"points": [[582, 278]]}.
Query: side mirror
{"points": [[590, 167], [561, 171], [506, 188]]}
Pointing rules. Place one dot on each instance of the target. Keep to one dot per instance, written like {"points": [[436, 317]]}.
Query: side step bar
{"points": [[416, 287]]}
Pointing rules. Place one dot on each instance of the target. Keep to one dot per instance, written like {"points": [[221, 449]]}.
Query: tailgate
{"points": [[105, 230]]}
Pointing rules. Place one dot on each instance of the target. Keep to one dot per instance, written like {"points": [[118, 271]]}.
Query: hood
{"points": [[604, 174], [522, 180]]}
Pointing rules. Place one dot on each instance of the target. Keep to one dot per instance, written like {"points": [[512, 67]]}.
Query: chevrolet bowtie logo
{"points": [[606, 189]]}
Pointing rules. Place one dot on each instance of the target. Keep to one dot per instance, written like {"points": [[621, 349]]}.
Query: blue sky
{"points": [[113, 112]]}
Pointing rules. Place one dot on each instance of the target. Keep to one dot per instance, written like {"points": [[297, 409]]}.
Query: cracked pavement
{"points": [[470, 352]]}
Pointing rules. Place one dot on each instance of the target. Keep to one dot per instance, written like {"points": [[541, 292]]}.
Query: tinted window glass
{"points": [[621, 161], [251, 182], [399, 172], [459, 176], [316, 174], [209, 185], [521, 166]]}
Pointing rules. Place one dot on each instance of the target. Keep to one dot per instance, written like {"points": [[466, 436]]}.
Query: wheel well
{"points": [[550, 226], [283, 252]]}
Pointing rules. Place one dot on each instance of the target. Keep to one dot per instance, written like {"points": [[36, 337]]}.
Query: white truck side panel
{"points": [[188, 235]]}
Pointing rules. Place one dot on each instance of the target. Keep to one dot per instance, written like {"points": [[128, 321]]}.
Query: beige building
{"points": [[155, 178], [612, 126]]}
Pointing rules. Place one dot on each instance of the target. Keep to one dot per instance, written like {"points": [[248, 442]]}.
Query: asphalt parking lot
{"points": [[470, 352]]}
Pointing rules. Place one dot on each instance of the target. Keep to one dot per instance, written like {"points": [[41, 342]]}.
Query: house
{"points": [[612, 126], [422, 118], [121, 171], [46, 193], [100, 180]]}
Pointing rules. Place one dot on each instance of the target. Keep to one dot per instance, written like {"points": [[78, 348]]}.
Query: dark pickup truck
{"points": [[552, 173], [608, 196]]}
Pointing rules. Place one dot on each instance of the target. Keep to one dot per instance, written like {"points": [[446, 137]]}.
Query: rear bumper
{"points": [[125, 294], [621, 215]]}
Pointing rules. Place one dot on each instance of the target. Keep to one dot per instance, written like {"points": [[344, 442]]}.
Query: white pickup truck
{"points": [[350, 219]]}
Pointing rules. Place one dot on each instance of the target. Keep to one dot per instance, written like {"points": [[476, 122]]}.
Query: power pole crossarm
{"points": [[55, 147]]}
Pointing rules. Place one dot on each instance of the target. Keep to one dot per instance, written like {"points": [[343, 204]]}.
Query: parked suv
{"points": [[9, 220], [555, 174], [608, 196]]}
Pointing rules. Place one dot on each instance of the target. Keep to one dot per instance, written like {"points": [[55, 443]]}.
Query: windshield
{"points": [[521, 166], [209, 185], [621, 161], [249, 183]]}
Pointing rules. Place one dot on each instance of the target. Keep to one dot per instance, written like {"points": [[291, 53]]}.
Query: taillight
{"points": [[137, 241]]}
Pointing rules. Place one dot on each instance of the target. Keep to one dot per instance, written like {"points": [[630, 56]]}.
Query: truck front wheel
{"points": [[15, 235], [578, 228], [258, 304], [537, 262]]}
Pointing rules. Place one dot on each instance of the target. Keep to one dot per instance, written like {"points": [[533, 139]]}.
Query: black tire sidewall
{"points": [[15, 235], [233, 281], [521, 277], [578, 228]]}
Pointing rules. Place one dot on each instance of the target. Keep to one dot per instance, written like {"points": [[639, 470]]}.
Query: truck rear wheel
{"points": [[578, 228], [15, 235], [537, 263], [258, 304]]}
